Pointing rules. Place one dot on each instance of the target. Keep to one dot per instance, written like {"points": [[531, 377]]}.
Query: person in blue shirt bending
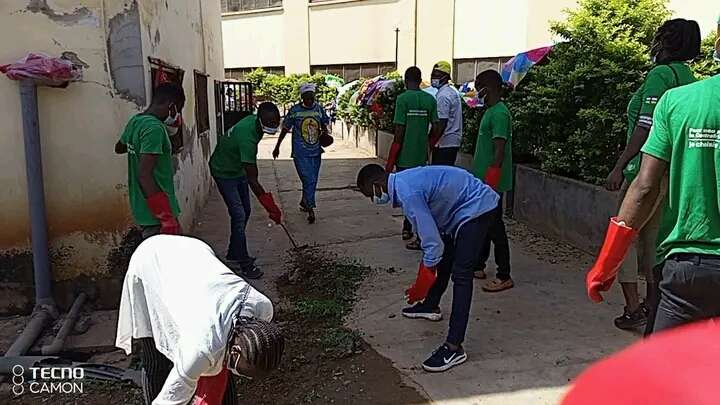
{"points": [[451, 211], [308, 122]]}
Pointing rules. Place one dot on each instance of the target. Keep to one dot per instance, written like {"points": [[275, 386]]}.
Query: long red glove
{"points": [[392, 157], [618, 239], [434, 140], [677, 367], [211, 390], [159, 205], [423, 282], [268, 203], [492, 177]]}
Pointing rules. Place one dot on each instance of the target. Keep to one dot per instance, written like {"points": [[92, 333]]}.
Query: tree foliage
{"points": [[570, 112], [706, 66], [285, 90]]}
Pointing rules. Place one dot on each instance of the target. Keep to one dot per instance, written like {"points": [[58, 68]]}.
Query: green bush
{"points": [[285, 90], [570, 113], [705, 66], [471, 126]]}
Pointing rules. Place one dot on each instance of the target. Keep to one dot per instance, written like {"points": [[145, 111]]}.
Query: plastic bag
{"points": [[43, 69]]}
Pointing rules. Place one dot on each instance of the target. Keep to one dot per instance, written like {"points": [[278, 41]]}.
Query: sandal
{"points": [[480, 274], [498, 285], [407, 235], [414, 245]]}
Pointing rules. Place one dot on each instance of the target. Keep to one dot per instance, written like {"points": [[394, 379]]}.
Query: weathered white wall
{"points": [[705, 12], [435, 34], [361, 32], [254, 39], [85, 182], [489, 29]]}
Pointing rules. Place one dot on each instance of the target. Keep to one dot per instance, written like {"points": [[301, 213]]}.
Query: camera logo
{"points": [[18, 380]]}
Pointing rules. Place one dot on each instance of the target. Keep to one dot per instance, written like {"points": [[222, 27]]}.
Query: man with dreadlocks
{"points": [[684, 147], [676, 42], [195, 322]]}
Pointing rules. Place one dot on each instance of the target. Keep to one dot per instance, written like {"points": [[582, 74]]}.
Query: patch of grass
{"points": [[319, 310]]}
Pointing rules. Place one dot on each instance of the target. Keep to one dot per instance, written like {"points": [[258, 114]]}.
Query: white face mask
{"points": [[268, 130], [481, 99], [435, 83], [171, 119], [382, 200]]}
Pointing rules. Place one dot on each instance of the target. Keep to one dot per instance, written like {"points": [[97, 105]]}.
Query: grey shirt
{"points": [[449, 106]]}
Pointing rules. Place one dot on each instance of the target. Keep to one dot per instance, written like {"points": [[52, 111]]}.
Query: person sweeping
{"points": [[195, 322], [451, 211], [308, 122]]}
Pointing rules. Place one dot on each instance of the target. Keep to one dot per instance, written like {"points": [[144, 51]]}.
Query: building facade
{"points": [[352, 37], [123, 43]]}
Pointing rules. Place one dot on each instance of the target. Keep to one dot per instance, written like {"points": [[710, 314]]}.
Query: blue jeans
{"points": [[236, 194], [460, 258], [308, 169]]}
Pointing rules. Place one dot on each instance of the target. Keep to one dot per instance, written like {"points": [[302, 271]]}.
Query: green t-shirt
{"points": [[415, 109], [496, 123], [239, 145], [642, 104], [686, 134], [146, 134]]}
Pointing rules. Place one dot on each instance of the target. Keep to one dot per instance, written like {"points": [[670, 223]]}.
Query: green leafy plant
{"points": [[569, 113], [706, 66], [285, 90]]}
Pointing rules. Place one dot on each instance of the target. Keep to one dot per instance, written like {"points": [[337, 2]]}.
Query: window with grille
{"points": [[202, 115], [352, 72], [241, 73], [160, 72], [233, 6], [467, 69]]}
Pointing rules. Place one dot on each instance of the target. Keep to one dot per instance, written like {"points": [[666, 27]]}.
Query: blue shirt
{"points": [[306, 124], [438, 200]]}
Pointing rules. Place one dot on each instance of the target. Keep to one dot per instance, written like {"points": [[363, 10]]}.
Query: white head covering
{"points": [[307, 87]]}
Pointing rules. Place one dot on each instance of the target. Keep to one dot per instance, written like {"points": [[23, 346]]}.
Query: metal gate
{"points": [[235, 102]]}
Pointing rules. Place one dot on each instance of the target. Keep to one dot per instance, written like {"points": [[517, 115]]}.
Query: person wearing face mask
{"points": [[676, 42], [233, 166], [308, 122], [682, 151], [449, 106], [451, 211], [493, 164], [196, 323], [150, 169]]}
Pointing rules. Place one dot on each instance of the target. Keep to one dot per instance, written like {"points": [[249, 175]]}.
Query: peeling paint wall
{"points": [[85, 182]]}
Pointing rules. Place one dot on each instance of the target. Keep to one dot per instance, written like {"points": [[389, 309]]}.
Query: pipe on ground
{"points": [[72, 316]]}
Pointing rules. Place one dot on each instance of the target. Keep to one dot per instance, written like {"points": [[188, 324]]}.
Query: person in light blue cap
{"points": [[308, 122]]}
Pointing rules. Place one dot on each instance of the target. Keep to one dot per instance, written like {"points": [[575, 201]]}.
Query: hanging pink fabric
{"points": [[43, 69]]}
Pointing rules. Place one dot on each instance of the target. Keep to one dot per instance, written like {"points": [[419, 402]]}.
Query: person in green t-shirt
{"points": [[233, 166], [150, 169], [676, 42], [415, 120], [684, 147], [493, 164]]}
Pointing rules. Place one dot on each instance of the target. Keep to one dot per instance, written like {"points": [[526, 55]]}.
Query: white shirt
{"points": [[177, 292], [449, 106]]}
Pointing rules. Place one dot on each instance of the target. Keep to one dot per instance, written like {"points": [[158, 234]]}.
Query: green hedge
{"points": [[285, 90]]}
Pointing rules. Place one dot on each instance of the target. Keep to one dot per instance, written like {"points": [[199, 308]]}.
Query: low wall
{"points": [[563, 208]]}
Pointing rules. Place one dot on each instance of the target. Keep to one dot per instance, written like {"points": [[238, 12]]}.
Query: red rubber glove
{"points": [[159, 205], [492, 177], [392, 157], [434, 140], [425, 279], [211, 390], [618, 239], [269, 204], [676, 367]]}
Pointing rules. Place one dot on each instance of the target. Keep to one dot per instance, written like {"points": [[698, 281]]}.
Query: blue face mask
{"points": [[382, 200], [716, 56], [435, 83]]}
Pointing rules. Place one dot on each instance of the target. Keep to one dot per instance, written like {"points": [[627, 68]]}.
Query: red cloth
{"points": [[211, 390], [392, 157], [267, 201], [678, 367], [423, 282], [159, 205], [617, 243], [492, 177]]}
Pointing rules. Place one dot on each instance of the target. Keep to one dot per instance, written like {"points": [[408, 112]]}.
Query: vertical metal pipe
{"points": [[36, 193], [397, 46]]}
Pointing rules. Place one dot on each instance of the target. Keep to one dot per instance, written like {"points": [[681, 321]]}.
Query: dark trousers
{"points": [[460, 258], [444, 156], [155, 368], [689, 290], [497, 234], [236, 194], [407, 226]]}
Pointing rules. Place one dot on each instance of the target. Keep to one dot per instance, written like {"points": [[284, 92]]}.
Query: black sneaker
{"points": [[251, 273], [444, 359], [632, 320], [421, 311]]}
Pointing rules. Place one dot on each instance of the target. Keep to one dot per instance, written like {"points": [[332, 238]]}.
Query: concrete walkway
{"points": [[524, 345]]}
